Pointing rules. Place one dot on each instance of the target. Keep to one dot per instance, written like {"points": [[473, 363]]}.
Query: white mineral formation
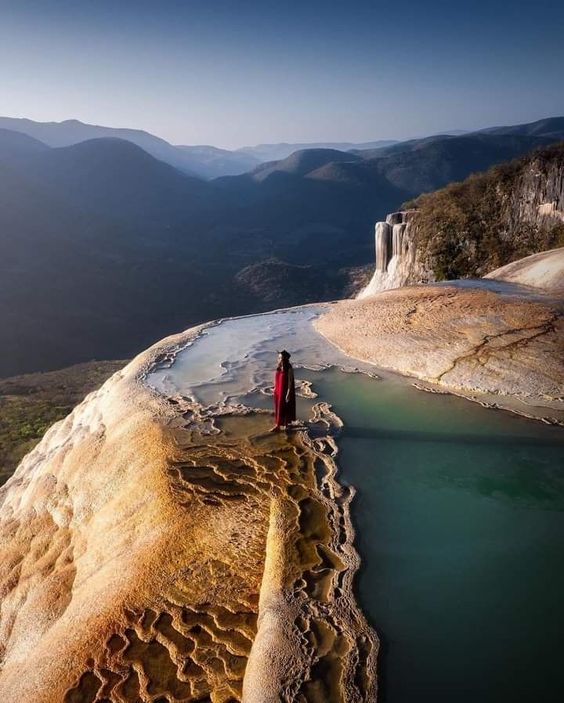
{"points": [[395, 254], [544, 270]]}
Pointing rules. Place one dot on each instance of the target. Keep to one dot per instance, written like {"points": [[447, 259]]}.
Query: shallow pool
{"points": [[459, 514]]}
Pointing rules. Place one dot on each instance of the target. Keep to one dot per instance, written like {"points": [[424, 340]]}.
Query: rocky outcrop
{"points": [[471, 228], [538, 193]]}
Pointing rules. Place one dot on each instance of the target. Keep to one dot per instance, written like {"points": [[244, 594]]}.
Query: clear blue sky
{"points": [[236, 72]]}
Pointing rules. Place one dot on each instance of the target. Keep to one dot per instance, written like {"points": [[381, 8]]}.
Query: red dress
{"points": [[284, 411]]}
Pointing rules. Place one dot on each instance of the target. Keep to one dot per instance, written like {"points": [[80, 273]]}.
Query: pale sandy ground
{"points": [[544, 270], [467, 340]]}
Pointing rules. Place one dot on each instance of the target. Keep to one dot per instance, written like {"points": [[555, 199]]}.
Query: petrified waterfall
{"points": [[383, 237], [394, 253]]}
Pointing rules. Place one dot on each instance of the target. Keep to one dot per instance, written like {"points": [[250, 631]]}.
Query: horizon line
{"points": [[274, 143]]}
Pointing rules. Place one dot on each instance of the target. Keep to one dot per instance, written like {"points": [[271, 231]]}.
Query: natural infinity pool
{"points": [[460, 525], [459, 515]]}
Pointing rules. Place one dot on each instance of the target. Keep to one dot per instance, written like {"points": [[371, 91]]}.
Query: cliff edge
{"points": [[468, 229]]}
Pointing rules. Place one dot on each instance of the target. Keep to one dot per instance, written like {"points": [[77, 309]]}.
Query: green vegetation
{"points": [[486, 221], [30, 404]]}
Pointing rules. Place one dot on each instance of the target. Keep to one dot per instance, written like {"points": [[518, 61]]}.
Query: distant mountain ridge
{"points": [[210, 162], [302, 162], [414, 166], [104, 247], [204, 161], [281, 150], [17, 143], [545, 126]]}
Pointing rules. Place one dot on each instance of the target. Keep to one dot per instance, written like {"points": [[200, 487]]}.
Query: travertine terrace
{"points": [[492, 342], [154, 549], [544, 270], [160, 544]]}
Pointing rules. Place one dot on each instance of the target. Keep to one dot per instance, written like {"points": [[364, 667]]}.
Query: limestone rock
{"points": [[468, 340], [544, 270]]}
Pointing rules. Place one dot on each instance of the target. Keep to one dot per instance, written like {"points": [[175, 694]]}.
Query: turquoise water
{"points": [[460, 525]]}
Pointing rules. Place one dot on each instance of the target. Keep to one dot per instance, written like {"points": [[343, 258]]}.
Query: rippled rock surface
{"points": [[161, 545], [167, 547], [493, 341]]}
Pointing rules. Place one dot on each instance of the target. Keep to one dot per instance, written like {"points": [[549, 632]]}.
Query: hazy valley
{"points": [[145, 245]]}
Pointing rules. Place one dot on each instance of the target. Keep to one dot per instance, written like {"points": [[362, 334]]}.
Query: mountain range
{"points": [[105, 247], [204, 160]]}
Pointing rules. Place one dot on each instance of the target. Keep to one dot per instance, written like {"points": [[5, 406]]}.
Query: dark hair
{"points": [[285, 364]]}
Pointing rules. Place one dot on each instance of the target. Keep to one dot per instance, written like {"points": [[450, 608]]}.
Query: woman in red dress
{"points": [[284, 392]]}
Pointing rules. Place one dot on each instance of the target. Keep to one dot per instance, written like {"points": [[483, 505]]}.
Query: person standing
{"points": [[284, 392]]}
